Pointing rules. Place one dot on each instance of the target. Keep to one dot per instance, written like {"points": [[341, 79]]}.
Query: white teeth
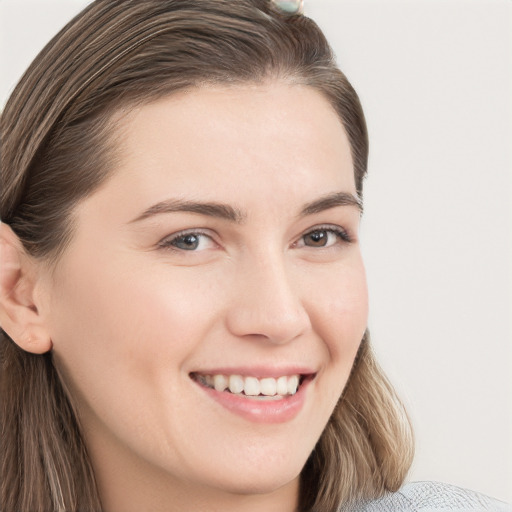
{"points": [[251, 386], [293, 384], [236, 383], [282, 386], [220, 382], [268, 386]]}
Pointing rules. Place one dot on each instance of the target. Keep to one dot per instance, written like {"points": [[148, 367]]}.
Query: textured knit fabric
{"points": [[433, 497]]}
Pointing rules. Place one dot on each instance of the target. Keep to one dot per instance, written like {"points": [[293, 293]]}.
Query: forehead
{"points": [[234, 132]]}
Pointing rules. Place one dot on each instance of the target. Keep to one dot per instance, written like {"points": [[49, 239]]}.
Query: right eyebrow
{"points": [[218, 210]]}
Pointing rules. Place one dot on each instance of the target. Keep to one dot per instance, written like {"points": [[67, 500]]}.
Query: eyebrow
{"points": [[218, 210], [227, 212], [332, 201]]}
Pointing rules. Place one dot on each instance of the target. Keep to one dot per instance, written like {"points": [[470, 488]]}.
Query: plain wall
{"points": [[435, 79]]}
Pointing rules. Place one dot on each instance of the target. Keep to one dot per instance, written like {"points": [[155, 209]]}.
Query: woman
{"points": [[183, 298]]}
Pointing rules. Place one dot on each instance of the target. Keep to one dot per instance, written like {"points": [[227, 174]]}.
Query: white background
{"points": [[435, 79]]}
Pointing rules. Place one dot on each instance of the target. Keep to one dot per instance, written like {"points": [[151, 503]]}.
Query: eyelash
{"points": [[168, 242]]}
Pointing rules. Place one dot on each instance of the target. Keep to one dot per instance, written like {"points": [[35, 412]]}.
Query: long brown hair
{"points": [[57, 148]]}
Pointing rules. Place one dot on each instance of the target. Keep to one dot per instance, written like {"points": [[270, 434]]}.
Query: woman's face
{"points": [[224, 244]]}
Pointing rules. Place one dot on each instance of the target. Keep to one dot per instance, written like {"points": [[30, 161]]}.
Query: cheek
{"points": [[122, 325], [340, 307], [339, 311]]}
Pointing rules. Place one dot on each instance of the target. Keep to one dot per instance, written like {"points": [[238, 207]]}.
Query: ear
{"points": [[20, 317]]}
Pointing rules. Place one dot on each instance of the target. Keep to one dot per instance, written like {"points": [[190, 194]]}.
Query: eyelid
{"points": [[329, 227]]}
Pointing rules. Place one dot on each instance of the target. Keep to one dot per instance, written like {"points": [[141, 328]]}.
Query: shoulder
{"points": [[433, 497]]}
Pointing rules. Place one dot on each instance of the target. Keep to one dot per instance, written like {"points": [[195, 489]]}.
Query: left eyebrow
{"points": [[331, 201]]}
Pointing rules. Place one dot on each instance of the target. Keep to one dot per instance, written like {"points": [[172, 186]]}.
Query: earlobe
{"points": [[20, 317]]}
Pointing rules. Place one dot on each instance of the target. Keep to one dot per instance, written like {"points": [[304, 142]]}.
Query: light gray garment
{"points": [[433, 497]]}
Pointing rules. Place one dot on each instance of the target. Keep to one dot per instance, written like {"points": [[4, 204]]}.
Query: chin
{"points": [[255, 480], [262, 485]]}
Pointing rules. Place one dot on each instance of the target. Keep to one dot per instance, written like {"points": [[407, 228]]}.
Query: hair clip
{"points": [[289, 7]]}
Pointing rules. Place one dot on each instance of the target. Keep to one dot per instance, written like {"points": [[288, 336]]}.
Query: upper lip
{"points": [[258, 371]]}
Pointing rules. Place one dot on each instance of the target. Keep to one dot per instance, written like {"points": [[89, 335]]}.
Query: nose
{"points": [[266, 304]]}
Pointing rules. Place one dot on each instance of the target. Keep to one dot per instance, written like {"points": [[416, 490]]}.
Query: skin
{"points": [[129, 318]]}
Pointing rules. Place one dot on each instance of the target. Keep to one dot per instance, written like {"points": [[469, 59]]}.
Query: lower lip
{"points": [[261, 411]]}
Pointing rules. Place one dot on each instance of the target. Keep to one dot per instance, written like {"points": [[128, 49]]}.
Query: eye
{"points": [[323, 237], [188, 241]]}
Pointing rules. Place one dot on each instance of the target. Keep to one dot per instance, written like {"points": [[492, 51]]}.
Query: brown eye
{"points": [[324, 237], [318, 238]]}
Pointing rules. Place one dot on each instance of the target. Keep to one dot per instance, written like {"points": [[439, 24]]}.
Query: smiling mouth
{"points": [[267, 388]]}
